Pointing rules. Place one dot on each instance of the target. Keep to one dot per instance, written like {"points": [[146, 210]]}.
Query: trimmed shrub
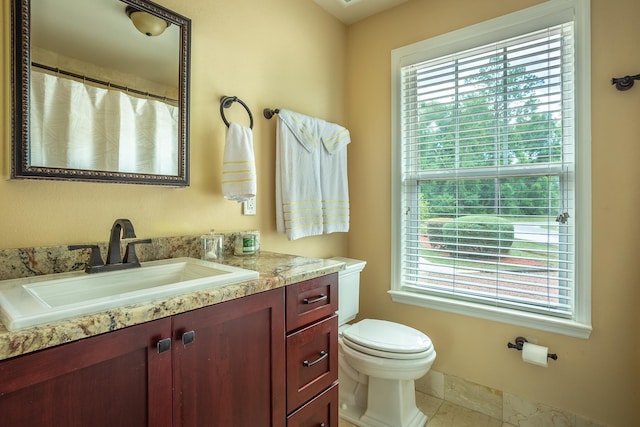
{"points": [[480, 235], [434, 231]]}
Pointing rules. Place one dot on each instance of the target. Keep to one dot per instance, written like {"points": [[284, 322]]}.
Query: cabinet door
{"points": [[114, 379], [228, 363]]}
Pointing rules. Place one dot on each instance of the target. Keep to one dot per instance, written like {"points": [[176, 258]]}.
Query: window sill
{"points": [[530, 320]]}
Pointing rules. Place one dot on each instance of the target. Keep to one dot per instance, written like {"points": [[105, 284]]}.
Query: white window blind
{"points": [[487, 180]]}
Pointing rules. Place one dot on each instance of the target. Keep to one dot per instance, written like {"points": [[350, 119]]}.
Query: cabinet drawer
{"points": [[311, 300], [321, 411], [312, 361]]}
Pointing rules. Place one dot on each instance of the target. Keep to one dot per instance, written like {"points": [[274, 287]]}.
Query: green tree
{"points": [[499, 122]]}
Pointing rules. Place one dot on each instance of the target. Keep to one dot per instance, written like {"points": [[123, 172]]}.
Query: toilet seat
{"points": [[388, 340], [385, 354]]}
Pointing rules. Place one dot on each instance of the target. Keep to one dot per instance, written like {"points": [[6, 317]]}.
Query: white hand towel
{"points": [[238, 164]]}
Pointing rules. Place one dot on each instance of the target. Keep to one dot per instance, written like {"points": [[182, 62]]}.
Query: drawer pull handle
{"points": [[164, 345], [323, 355], [322, 297], [188, 338]]}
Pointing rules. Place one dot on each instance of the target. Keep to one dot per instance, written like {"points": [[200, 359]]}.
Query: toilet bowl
{"points": [[378, 362]]}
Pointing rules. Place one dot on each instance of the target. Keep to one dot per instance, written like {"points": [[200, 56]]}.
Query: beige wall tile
{"points": [[473, 396], [432, 384]]}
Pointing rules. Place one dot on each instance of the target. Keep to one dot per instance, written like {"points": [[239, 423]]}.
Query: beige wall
{"points": [[289, 53], [598, 378], [276, 53]]}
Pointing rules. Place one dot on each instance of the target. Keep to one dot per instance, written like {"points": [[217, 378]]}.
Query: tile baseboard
{"points": [[512, 410]]}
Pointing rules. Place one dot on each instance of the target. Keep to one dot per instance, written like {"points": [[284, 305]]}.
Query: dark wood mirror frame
{"points": [[20, 83]]}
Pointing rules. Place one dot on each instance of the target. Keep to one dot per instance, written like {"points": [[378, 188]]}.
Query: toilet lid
{"points": [[387, 336]]}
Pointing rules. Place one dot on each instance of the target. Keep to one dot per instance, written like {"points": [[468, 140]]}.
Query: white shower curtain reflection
{"points": [[78, 126]]}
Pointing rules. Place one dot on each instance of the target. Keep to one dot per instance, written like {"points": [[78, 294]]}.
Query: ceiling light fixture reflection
{"points": [[146, 23]]}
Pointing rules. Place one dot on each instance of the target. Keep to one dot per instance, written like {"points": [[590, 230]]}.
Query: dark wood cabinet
{"points": [[269, 359], [115, 379], [230, 369]]}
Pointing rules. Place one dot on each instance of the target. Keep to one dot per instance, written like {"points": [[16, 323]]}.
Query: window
{"points": [[491, 205]]}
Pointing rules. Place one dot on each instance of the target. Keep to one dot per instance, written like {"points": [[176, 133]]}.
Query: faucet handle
{"points": [[130, 256], [96, 258]]}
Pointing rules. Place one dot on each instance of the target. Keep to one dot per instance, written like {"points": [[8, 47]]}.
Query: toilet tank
{"points": [[349, 289]]}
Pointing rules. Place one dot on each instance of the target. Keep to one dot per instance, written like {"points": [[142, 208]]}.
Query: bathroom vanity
{"points": [[261, 353]]}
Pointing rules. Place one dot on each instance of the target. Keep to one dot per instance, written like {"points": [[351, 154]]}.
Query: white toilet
{"points": [[378, 362]]}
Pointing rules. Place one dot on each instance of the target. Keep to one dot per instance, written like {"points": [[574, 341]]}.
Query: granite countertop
{"points": [[276, 270]]}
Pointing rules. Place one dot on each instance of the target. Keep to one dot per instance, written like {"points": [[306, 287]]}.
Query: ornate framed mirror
{"points": [[94, 97]]}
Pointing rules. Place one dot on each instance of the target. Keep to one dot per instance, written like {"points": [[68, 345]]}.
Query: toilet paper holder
{"points": [[520, 342]]}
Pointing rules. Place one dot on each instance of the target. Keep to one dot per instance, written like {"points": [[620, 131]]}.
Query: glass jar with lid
{"points": [[212, 246]]}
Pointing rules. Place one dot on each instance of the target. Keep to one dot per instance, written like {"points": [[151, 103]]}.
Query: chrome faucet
{"points": [[121, 229]]}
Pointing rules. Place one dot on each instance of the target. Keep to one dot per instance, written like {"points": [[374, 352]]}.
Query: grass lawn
{"points": [[519, 249]]}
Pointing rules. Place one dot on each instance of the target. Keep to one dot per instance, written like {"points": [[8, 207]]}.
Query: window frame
{"points": [[524, 21]]}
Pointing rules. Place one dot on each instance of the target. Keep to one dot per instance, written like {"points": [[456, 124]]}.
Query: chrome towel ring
{"points": [[227, 101]]}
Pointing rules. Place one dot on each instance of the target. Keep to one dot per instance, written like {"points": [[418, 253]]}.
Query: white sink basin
{"points": [[35, 300]]}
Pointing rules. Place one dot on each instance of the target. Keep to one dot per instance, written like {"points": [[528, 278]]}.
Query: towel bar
{"points": [[268, 113]]}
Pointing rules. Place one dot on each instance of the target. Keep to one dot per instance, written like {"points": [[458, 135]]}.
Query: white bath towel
{"points": [[311, 176], [333, 176], [238, 164]]}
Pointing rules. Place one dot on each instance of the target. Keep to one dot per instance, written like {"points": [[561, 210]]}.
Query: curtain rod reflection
{"points": [[103, 82]]}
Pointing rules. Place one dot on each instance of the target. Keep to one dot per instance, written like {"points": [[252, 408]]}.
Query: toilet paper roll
{"points": [[536, 354]]}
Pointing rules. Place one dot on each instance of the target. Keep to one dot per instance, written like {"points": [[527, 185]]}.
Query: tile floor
{"points": [[441, 413]]}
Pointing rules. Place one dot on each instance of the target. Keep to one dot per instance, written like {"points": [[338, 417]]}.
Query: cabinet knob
{"points": [[164, 345], [323, 355], [322, 297], [188, 337]]}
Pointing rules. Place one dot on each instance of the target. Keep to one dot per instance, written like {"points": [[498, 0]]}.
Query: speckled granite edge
{"points": [[276, 270]]}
